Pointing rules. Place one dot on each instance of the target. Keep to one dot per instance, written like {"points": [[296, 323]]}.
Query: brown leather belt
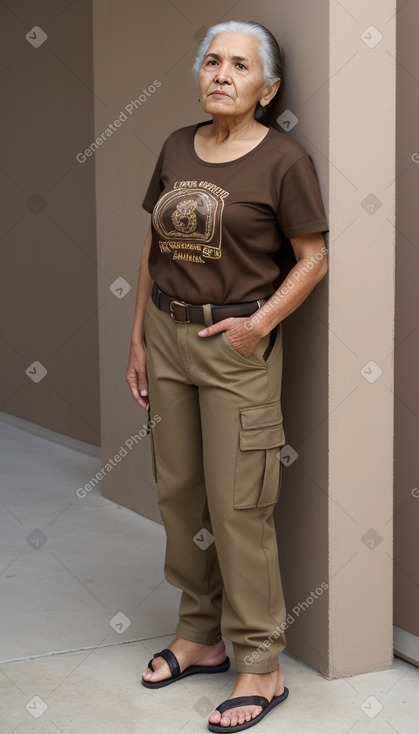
{"points": [[186, 313]]}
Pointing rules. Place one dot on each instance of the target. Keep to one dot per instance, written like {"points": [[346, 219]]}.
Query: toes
{"points": [[214, 717], [160, 672], [234, 717], [148, 674], [229, 720]]}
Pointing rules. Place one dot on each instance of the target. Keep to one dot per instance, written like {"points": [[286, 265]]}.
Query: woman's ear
{"points": [[270, 94]]}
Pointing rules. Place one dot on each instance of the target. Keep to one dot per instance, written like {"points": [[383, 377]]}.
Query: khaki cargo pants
{"points": [[216, 466]]}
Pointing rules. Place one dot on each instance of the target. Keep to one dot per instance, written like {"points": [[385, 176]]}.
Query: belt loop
{"points": [[207, 311]]}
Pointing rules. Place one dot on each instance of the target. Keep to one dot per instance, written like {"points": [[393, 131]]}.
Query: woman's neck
{"points": [[225, 128]]}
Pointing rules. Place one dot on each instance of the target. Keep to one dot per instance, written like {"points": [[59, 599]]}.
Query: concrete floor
{"points": [[84, 605]]}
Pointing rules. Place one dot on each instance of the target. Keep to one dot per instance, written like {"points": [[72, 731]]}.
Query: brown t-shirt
{"points": [[217, 227]]}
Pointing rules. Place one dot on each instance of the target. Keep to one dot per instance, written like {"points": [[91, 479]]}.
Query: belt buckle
{"points": [[175, 313]]}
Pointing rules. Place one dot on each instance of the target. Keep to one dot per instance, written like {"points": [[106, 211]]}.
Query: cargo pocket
{"points": [[257, 465]]}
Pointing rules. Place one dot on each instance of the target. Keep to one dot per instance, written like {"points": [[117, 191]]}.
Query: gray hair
{"points": [[268, 47]]}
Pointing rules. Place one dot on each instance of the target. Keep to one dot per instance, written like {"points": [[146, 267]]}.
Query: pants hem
{"points": [[262, 667], [201, 638]]}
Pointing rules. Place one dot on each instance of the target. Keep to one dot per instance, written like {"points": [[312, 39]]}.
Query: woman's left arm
{"points": [[244, 333]]}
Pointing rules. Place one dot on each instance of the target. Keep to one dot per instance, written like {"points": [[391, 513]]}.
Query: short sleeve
{"points": [[155, 186], [301, 209]]}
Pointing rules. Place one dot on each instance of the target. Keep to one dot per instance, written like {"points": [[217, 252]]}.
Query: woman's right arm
{"points": [[136, 371]]}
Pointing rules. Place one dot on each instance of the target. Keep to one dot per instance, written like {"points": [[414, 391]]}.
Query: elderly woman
{"points": [[206, 356]]}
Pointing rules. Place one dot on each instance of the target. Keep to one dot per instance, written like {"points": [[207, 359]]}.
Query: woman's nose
{"points": [[223, 75]]}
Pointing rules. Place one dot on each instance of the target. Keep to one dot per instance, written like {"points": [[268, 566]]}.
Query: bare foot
{"points": [[188, 653], [250, 684]]}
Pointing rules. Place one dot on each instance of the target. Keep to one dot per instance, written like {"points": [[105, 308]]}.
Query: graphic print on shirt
{"points": [[189, 221]]}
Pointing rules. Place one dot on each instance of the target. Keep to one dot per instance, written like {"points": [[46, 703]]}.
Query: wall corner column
{"points": [[361, 334]]}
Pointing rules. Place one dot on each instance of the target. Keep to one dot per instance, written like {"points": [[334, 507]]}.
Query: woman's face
{"points": [[231, 80]]}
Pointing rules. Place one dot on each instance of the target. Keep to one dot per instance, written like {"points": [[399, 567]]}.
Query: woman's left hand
{"points": [[241, 339]]}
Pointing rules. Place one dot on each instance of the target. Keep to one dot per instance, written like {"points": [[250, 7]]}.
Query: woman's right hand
{"points": [[136, 376]]}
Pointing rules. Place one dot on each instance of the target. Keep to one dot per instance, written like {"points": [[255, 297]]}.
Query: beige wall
{"points": [[361, 313], [48, 297], [406, 355], [340, 486]]}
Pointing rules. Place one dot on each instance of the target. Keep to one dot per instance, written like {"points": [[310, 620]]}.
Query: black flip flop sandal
{"points": [[231, 703], [173, 664]]}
